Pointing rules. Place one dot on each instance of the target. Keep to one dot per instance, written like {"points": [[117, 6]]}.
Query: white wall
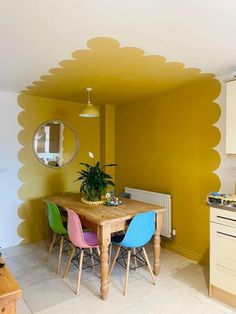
{"points": [[9, 166], [227, 169], [46, 32]]}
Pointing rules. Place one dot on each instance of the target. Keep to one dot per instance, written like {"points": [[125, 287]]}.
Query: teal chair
{"points": [[139, 233], [58, 229]]}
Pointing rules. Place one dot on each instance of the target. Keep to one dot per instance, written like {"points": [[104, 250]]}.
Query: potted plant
{"points": [[95, 181]]}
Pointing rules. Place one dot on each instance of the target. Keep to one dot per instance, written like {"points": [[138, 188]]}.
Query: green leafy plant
{"points": [[94, 181]]}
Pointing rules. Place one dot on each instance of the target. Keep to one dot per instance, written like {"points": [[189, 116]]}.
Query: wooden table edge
{"points": [[113, 220], [103, 223]]}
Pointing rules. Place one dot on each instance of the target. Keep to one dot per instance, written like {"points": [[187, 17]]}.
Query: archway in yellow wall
{"points": [[150, 98]]}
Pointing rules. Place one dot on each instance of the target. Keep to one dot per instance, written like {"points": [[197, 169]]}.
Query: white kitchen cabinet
{"points": [[231, 117], [223, 254]]}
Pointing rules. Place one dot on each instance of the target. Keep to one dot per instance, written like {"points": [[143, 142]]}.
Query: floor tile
{"points": [[220, 306], [181, 287], [16, 250], [22, 308], [46, 294], [40, 248], [191, 276], [73, 306], [176, 301], [19, 263], [35, 275]]}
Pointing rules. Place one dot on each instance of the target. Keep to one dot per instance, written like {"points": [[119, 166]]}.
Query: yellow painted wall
{"points": [[166, 145], [39, 181], [107, 137], [69, 144], [163, 132]]}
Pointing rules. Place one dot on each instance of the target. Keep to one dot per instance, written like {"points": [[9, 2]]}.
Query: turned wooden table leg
{"points": [[104, 237], [157, 244]]}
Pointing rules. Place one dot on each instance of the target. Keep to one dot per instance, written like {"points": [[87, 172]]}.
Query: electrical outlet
{"points": [[91, 155], [173, 233]]}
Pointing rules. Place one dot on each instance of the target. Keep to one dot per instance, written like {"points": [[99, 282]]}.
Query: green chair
{"points": [[59, 231]]}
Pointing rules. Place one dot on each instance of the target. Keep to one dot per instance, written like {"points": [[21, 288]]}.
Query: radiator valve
{"points": [[173, 233]]}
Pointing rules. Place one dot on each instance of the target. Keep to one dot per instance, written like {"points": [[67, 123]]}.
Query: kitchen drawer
{"points": [[223, 242], [223, 274], [222, 216], [223, 257]]}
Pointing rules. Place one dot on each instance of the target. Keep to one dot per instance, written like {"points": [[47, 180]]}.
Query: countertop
{"points": [[224, 207]]}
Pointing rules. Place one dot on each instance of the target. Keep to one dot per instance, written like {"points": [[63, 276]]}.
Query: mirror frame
{"points": [[77, 142]]}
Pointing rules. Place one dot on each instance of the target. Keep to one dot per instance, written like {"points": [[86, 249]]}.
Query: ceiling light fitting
{"points": [[89, 110]]}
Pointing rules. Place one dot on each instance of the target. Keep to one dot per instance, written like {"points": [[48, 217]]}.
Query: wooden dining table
{"points": [[105, 220]]}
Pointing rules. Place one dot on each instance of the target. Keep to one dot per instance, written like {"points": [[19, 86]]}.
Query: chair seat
{"points": [[91, 238]]}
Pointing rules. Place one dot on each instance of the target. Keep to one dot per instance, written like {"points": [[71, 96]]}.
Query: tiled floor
{"points": [[181, 287]]}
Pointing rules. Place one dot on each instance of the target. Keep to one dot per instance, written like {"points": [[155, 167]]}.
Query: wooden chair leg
{"points": [[54, 236], [80, 270], [148, 265], [69, 262], [110, 252], [127, 272], [114, 261], [92, 259], [135, 259], [60, 253]]}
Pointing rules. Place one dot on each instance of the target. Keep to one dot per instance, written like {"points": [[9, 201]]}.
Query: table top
{"points": [[102, 214]]}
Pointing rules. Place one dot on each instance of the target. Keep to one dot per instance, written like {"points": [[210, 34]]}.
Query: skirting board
{"points": [[178, 249], [223, 295]]}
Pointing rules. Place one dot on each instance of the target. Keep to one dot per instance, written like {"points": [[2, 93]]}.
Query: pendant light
{"points": [[89, 111]]}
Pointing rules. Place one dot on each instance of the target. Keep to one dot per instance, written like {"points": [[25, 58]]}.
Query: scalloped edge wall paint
{"points": [[39, 181], [164, 134], [125, 78], [9, 163]]}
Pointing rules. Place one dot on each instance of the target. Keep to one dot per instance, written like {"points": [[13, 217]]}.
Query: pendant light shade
{"points": [[89, 111]]}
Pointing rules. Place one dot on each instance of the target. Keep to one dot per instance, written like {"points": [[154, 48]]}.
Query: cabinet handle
{"points": [[226, 234], [222, 217]]}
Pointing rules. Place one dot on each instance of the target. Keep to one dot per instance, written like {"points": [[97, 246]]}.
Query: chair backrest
{"points": [[54, 219], [75, 230], [140, 230]]}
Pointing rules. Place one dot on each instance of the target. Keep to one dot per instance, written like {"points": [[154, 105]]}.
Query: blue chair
{"points": [[139, 233]]}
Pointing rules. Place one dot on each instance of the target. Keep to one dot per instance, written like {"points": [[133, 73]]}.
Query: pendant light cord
{"points": [[89, 89]]}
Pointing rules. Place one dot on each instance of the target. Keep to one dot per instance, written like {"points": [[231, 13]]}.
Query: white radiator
{"points": [[155, 199]]}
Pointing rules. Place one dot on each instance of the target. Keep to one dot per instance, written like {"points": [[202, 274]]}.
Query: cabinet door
{"points": [[231, 117], [223, 257]]}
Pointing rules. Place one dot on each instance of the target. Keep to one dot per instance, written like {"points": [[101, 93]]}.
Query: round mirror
{"points": [[55, 144]]}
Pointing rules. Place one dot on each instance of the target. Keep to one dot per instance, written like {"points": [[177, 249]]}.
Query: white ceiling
{"points": [[36, 35]]}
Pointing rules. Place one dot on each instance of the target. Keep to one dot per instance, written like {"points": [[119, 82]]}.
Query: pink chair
{"points": [[80, 240]]}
